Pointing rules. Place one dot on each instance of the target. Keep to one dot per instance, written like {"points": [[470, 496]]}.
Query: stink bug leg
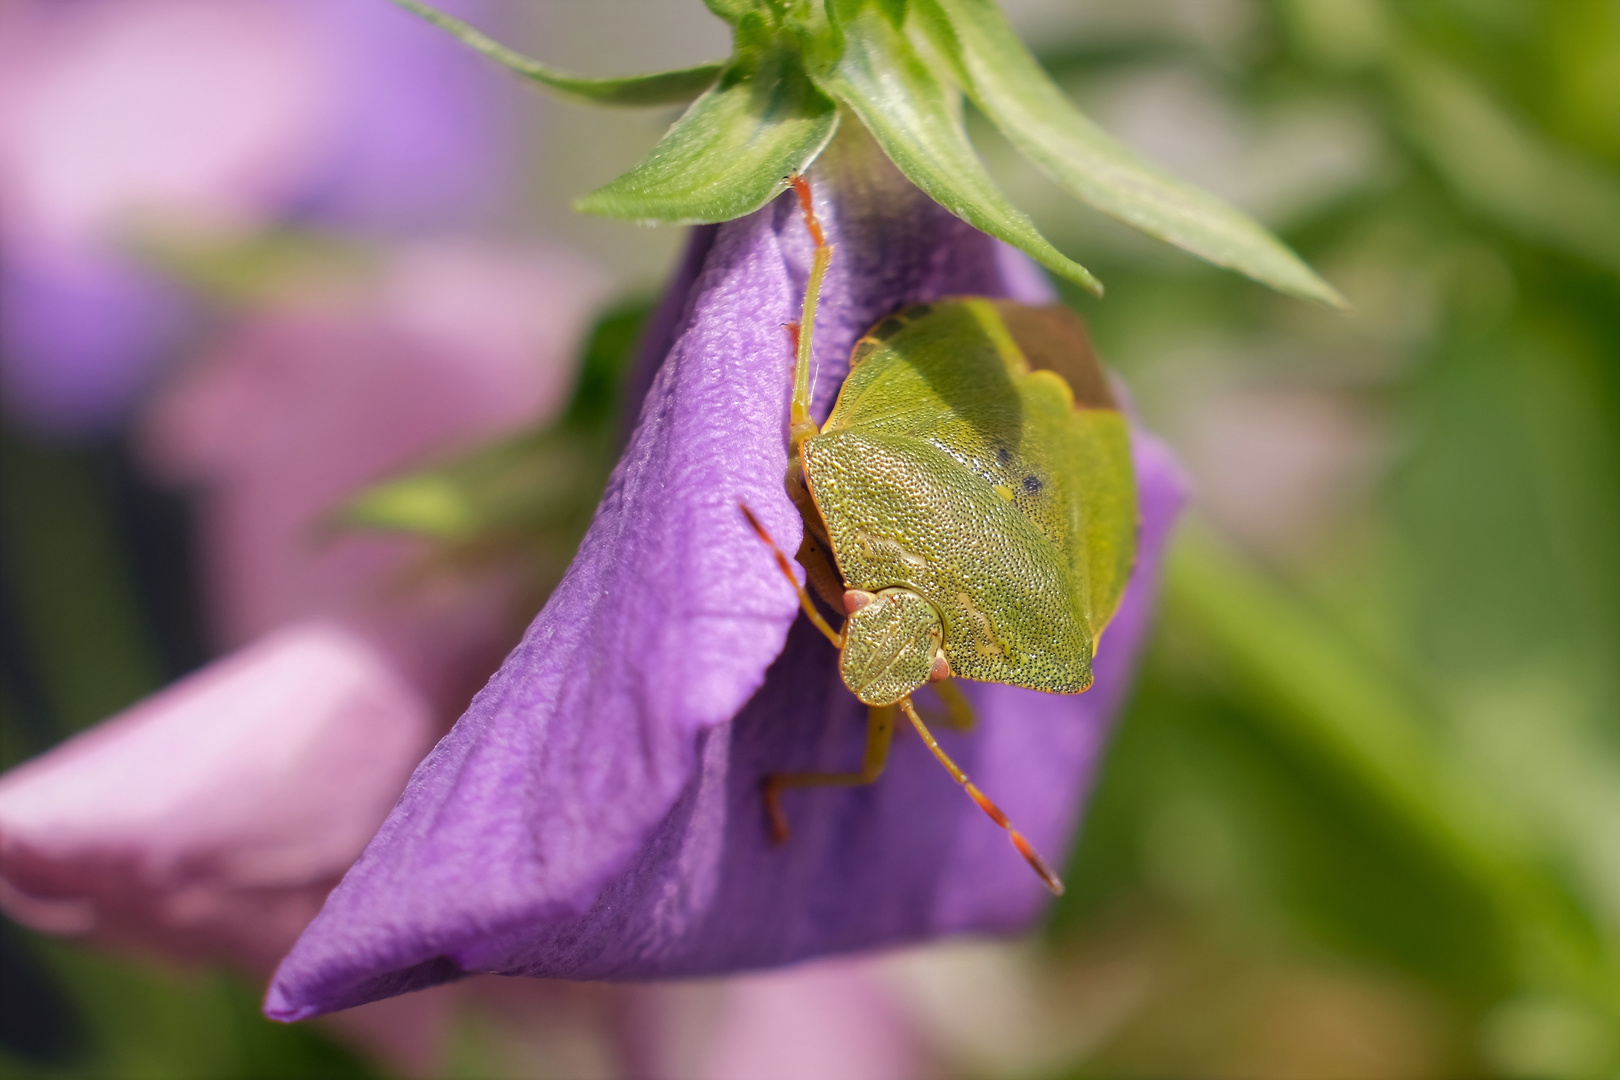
{"points": [[786, 567], [958, 710], [879, 722]]}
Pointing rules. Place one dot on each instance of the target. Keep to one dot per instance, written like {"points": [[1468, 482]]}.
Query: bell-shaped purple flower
{"points": [[596, 813]]}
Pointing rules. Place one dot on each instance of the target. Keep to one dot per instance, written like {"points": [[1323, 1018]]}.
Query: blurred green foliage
{"points": [[1387, 754], [107, 1017]]}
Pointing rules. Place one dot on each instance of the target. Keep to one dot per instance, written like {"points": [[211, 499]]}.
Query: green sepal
{"points": [[730, 152], [523, 481], [917, 121], [1006, 83], [734, 11], [660, 88], [535, 489]]}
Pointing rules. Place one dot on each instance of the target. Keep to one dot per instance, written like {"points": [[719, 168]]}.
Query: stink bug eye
{"points": [[969, 503]]}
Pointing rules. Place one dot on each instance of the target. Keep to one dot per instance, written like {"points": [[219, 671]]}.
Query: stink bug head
{"points": [[890, 646]]}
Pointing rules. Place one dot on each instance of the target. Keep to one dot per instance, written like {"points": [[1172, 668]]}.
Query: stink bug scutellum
{"points": [[980, 513]]}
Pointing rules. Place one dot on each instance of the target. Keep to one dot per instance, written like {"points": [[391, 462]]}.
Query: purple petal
{"points": [[596, 813]]}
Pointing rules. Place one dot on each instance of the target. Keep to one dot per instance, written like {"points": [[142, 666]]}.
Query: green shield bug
{"points": [[973, 514]]}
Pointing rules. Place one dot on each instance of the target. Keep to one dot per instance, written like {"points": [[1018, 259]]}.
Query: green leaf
{"points": [[1005, 81], [730, 151], [1346, 709], [917, 121], [661, 88]]}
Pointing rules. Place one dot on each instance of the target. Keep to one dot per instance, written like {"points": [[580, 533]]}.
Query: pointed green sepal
{"points": [[730, 152], [661, 88], [916, 119], [1004, 80], [735, 11], [521, 483]]}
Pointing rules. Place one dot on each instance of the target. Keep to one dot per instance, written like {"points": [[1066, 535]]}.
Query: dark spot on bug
{"points": [[1032, 485], [917, 312], [1003, 455]]}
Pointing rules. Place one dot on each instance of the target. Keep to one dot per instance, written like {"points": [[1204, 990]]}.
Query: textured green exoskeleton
{"points": [[971, 509], [953, 471]]}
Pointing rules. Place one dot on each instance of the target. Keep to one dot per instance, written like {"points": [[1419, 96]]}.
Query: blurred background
{"points": [[1362, 817]]}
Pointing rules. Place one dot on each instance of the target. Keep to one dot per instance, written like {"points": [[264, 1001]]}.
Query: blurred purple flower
{"points": [[596, 812], [78, 334], [308, 400], [124, 117]]}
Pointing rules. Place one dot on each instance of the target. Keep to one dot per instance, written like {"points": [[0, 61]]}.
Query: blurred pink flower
{"points": [[115, 111], [301, 405], [845, 1018], [835, 1018], [1281, 467], [210, 820], [120, 117]]}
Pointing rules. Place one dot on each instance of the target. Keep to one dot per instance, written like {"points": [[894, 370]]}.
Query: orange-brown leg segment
{"points": [[800, 424], [1024, 847], [879, 733], [786, 566]]}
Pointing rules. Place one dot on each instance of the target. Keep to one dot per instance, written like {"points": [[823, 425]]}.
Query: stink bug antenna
{"points": [[1025, 848], [801, 425]]}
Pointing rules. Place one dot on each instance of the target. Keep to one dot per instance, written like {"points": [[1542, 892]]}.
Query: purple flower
{"points": [[596, 813]]}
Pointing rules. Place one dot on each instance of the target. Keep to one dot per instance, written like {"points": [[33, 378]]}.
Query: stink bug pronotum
{"points": [[980, 513]]}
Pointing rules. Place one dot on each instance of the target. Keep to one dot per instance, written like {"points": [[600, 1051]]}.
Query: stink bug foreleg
{"points": [[784, 565]]}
